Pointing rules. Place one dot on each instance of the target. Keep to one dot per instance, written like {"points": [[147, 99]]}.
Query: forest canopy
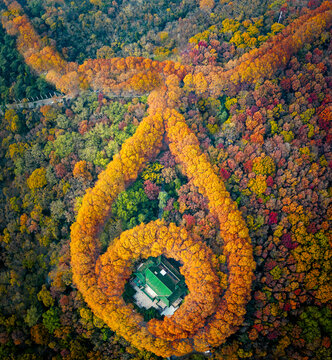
{"points": [[197, 130]]}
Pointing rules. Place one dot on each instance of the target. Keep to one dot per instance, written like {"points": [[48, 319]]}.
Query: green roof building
{"points": [[160, 280]]}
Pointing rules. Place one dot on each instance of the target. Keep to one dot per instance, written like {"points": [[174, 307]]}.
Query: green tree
{"points": [[134, 207], [32, 316], [51, 319]]}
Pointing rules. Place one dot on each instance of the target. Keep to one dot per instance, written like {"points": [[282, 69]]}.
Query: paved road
{"points": [[61, 98], [37, 103], [33, 104]]}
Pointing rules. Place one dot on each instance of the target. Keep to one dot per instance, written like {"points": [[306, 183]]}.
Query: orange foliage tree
{"points": [[206, 4], [272, 55], [141, 75], [40, 56]]}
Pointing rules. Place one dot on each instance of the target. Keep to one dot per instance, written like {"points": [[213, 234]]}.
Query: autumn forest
{"points": [[195, 130]]}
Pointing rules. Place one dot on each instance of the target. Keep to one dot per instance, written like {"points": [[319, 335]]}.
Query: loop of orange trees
{"points": [[205, 319]]}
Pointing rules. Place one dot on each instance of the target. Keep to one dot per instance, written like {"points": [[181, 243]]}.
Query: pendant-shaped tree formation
{"points": [[208, 315], [205, 318]]}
